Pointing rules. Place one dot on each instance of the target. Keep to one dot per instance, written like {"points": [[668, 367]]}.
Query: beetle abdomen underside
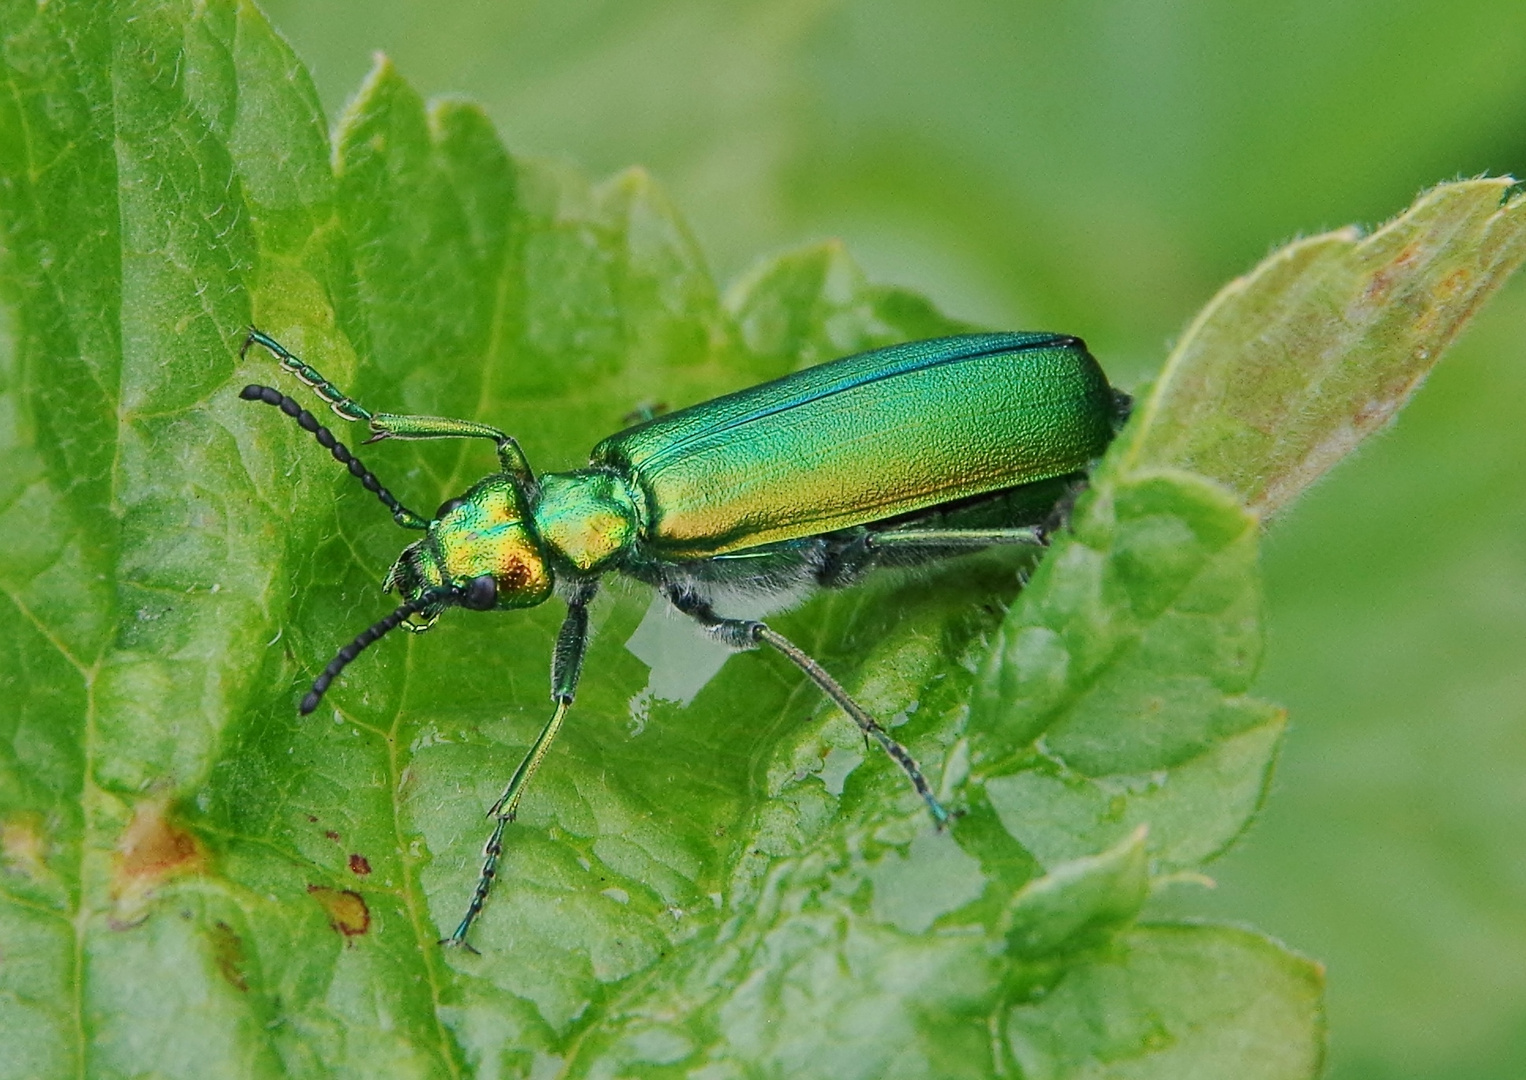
{"points": [[865, 438]]}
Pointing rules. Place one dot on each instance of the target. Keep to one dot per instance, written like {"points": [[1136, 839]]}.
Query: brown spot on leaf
{"points": [[346, 909], [331, 834], [359, 864], [1446, 306], [23, 844], [1456, 281], [154, 847], [228, 955], [1383, 280]]}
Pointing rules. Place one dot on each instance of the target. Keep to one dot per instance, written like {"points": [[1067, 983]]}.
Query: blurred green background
{"points": [[1102, 168]]}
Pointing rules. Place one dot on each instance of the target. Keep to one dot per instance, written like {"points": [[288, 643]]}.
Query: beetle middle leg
{"points": [[566, 667], [845, 562], [750, 633], [913, 539]]}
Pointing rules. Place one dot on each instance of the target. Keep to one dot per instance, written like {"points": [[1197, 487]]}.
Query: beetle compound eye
{"points": [[481, 593], [446, 507]]}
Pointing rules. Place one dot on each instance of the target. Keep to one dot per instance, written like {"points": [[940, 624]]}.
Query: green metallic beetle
{"points": [[890, 457]]}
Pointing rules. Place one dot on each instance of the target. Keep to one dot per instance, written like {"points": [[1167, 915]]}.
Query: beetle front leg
{"points": [[392, 425], [404, 426], [750, 633], [335, 398], [566, 667]]}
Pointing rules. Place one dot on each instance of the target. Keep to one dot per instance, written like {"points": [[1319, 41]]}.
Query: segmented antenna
{"points": [[308, 422], [365, 638]]}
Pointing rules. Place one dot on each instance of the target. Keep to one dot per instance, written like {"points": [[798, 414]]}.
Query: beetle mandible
{"points": [[893, 456]]}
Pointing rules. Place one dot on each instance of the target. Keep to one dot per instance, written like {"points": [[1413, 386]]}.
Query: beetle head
{"points": [[479, 552]]}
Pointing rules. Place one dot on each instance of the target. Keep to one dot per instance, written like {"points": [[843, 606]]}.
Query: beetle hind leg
{"points": [[750, 633], [845, 561]]}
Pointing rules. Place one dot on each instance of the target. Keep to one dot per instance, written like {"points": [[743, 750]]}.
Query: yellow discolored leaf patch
{"points": [[346, 909], [24, 845], [152, 848]]}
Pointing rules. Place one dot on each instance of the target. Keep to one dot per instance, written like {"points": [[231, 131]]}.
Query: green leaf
{"points": [[1079, 900], [1140, 1012], [729, 887], [1289, 367], [1149, 610]]}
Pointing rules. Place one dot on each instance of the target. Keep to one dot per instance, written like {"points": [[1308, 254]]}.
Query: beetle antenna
{"points": [[308, 422], [367, 637]]}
